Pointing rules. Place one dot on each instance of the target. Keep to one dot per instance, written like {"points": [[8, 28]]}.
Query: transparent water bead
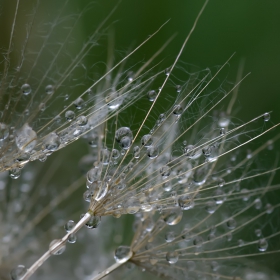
{"points": [[82, 120], [69, 115], [178, 110], [123, 254], [178, 88], [231, 224], [147, 140], [51, 142], [266, 117], [69, 225], [124, 137], [186, 202], [172, 257], [169, 236], [15, 173], [151, 95], [18, 272], [93, 222], [26, 89], [26, 138], [165, 172], [132, 205], [93, 175], [72, 238], [98, 189], [49, 89], [173, 217], [136, 152], [56, 248], [262, 245], [79, 103], [4, 131], [152, 152]]}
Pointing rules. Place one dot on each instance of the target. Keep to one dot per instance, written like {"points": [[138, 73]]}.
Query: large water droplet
{"points": [[123, 254], [152, 152], [49, 89], [60, 248], [151, 95], [69, 225], [26, 89], [185, 202], [124, 137], [266, 117], [262, 245], [172, 257], [4, 131], [173, 217], [132, 205], [51, 142], [147, 140], [231, 223], [15, 173], [18, 272], [26, 138], [69, 115]]}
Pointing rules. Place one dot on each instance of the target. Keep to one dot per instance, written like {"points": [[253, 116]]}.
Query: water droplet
{"points": [[26, 138], [153, 260], [167, 71], [15, 173], [173, 217], [93, 222], [172, 257], [124, 137], [81, 120], [69, 115], [4, 131], [178, 110], [130, 75], [262, 245], [151, 95], [69, 225], [231, 223], [160, 119], [198, 241], [178, 88], [18, 272], [222, 131], [26, 89], [51, 142], [152, 152], [49, 89], [132, 205], [211, 206], [136, 152], [185, 202], [165, 172], [258, 232], [169, 236], [269, 208], [72, 238], [223, 120], [191, 152], [123, 254], [56, 248], [258, 203], [266, 117], [115, 154], [79, 103], [147, 140]]}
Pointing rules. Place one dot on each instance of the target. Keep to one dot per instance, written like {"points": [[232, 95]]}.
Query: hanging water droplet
{"points": [[136, 152], [26, 89], [258, 203], [269, 208], [153, 260], [26, 138], [4, 131], [173, 217], [124, 137], [115, 154], [211, 206], [223, 120], [169, 236], [151, 95], [123, 254], [152, 152], [56, 247], [147, 140], [69, 225], [93, 222], [222, 131], [198, 241], [185, 202], [72, 238], [132, 205], [258, 232], [167, 71], [79, 103], [231, 223], [191, 152], [178, 88], [15, 173], [49, 89], [51, 142], [18, 272], [172, 257], [262, 245], [178, 110], [69, 115], [165, 172], [130, 75], [266, 117], [81, 120], [160, 119]]}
